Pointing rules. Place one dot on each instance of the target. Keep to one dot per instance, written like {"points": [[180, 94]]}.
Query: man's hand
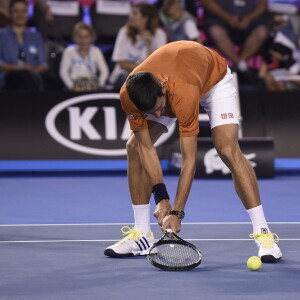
{"points": [[233, 21], [172, 222], [162, 210], [244, 23], [147, 36]]}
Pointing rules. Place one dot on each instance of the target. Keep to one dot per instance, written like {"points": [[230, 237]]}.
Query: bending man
{"points": [[170, 84]]}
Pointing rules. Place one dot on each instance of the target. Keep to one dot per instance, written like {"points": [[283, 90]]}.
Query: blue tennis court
{"points": [[54, 229]]}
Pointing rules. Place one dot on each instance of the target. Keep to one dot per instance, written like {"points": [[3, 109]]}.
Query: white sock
{"points": [[142, 217], [258, 219]]}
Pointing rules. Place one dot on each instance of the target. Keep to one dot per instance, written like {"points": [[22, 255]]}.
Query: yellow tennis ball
{"points": [[254, 263]]}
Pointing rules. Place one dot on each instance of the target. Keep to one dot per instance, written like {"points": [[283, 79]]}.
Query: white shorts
{"points": [[220, 103]]}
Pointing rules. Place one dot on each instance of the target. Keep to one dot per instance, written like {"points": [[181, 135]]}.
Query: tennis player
{"points": [[170, 84]]}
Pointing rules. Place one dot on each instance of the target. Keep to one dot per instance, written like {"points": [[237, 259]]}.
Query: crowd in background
{"points": [[92, 45]]}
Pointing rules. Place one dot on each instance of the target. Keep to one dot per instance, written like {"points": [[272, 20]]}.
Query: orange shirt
{"points": [[188, 70]]}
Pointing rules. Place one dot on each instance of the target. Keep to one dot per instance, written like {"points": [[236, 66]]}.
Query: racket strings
{"points": [[174, 254]]}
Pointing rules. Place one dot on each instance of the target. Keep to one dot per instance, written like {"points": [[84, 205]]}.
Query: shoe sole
{"points": [[269, 259], [112, 253]]}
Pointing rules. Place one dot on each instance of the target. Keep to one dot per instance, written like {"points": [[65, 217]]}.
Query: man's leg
{"points": [[139, 185], [139, 239], [223, 42], [254, 42], [245, 182]]}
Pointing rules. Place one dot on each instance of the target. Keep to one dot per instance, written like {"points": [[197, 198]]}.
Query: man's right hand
{"points": [[233, 21], [162, 210]]}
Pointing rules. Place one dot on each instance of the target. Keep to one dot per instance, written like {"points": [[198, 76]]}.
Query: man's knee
{"points": [[229, 153], [216, 32], [131, 146], [260, 32]]}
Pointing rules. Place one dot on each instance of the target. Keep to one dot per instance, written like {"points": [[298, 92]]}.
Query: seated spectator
{"points": [[4, 11], [179, 23], [83, 66], [243, 23], [22, 52], [136, 41], [189, 5], [45, 9], [281, 61]]}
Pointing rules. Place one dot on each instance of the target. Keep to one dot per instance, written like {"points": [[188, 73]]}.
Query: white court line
{"points": [[104, 241], [125, 223], [121, 224]]}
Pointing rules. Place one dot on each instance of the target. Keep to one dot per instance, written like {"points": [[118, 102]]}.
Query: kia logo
{"points": [[93, 124]]}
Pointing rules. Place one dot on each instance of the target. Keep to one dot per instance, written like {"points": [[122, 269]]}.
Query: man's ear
{"points": [[163, 86]]}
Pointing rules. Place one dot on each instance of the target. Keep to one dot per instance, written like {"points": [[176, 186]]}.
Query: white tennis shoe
{"points": [[133, 244], [268, 251]]}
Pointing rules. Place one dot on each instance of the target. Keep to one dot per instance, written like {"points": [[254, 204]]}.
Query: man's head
{"points": [[146, 92]]}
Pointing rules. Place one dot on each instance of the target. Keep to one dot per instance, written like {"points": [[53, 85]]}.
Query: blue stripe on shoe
{"points": [[139, 246], [145, 248], [148, 246]]}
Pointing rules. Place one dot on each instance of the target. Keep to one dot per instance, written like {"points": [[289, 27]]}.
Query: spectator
{"points": [[280, 59], [243, 23], [136, 41], [179, 23], [44, 7], [188, 5], [83, 66], [4, 11], [22, 52]]}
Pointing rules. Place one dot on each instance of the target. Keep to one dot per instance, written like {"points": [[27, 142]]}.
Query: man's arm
{"points": [[216, 9], [260, 9], [188, 146], [152, 167]]}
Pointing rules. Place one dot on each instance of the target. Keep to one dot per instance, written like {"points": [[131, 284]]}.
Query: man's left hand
{"points": [[161, 210], [172, 222]]}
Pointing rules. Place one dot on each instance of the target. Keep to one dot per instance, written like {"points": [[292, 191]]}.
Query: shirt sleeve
{"points": [[188, 115], [191, 30], [135, 118]]}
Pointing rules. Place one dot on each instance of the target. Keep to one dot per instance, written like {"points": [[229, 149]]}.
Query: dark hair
{"points": [[13, 2], [149, 11], [143, 89]]}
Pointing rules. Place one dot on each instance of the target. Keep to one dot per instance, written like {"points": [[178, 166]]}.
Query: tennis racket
{"points": [[174, 254]]}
